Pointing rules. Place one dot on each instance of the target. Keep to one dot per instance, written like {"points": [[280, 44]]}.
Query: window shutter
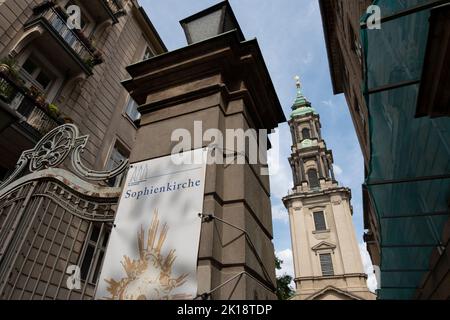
{"points": [[319, 221], [306, 134], [313, 179], [326, 264]]}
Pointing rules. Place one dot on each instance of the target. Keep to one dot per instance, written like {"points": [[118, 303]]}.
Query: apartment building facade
{"points": [[341, 29], [71, 75], [50, 75]]}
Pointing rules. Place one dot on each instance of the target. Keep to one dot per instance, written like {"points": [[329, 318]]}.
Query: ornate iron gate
{"points": [[54, 226]]}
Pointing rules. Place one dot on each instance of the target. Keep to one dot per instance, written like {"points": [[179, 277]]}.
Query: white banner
{"points": [[152, 252]]}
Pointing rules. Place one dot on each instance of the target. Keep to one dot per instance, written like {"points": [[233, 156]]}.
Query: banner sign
{"points": [[153, 248]]}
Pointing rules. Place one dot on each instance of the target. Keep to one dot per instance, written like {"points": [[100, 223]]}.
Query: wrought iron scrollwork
{"points": [[54, 148]]}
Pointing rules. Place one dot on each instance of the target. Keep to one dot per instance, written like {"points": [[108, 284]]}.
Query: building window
{"points": [[131, 110], [313, 179], [326, 264], [148, 54], [306, 134], [94, 252], [118, 155], [319, 221], [36, 76]]}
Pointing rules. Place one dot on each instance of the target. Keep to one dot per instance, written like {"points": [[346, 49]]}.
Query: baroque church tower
{"points": [[327, 261]]}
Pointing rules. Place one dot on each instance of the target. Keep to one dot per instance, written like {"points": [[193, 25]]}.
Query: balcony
{"points": [[29, 118], [29, 107], [69, 48], [103, 10]]}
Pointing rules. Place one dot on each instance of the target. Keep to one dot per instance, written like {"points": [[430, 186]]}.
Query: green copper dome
{"points": [[302, 111], [301, 106]]}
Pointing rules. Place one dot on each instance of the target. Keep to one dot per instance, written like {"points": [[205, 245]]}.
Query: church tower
{"points": [[327, 261]]}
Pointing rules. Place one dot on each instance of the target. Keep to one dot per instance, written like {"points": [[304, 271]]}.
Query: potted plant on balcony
{"points": [[9, 79], [33, 92], [90, 63], [40, 100], [38, 97], [98, 57], [53, 109], [8, 67], [85, 40], [66, 119]]}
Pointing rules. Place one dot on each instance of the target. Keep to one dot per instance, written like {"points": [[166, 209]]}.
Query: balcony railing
{"points": [[114, 5], [55, 21], [34, 114]]}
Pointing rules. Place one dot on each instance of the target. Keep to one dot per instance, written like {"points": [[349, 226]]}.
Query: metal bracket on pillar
{"points": [[226, 153], [207, 295], [208, 217]]}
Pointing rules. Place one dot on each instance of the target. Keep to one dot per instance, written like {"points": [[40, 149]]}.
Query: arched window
{"points": [[306, 134], [313, 179]]}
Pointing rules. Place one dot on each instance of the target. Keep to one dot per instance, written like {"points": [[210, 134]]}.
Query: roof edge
{"points": [[152, 28], [324, 9]]}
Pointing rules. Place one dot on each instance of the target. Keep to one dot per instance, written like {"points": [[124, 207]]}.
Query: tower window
{"points": [[306, 134], [326, 264], [319, 221], [313, 179]]}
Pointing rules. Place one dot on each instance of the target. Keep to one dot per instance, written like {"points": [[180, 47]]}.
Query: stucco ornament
{"points": [[53, 149]]}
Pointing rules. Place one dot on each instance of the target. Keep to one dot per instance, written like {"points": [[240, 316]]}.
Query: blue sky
{"points": [[290, 35]]}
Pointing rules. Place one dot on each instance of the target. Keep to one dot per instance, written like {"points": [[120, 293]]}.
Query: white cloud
{"points": [[287, 267], [308, 59], [328, 103], [368, 268], [280, 172], [311, 9], [337, 170], [280, 213]]}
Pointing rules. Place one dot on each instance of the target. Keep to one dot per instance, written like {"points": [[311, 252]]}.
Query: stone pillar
{"points": [[319, 166], [325, 165], [314, 133], [332, 172], [294, 168], [302, 167], [223, 83]]}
